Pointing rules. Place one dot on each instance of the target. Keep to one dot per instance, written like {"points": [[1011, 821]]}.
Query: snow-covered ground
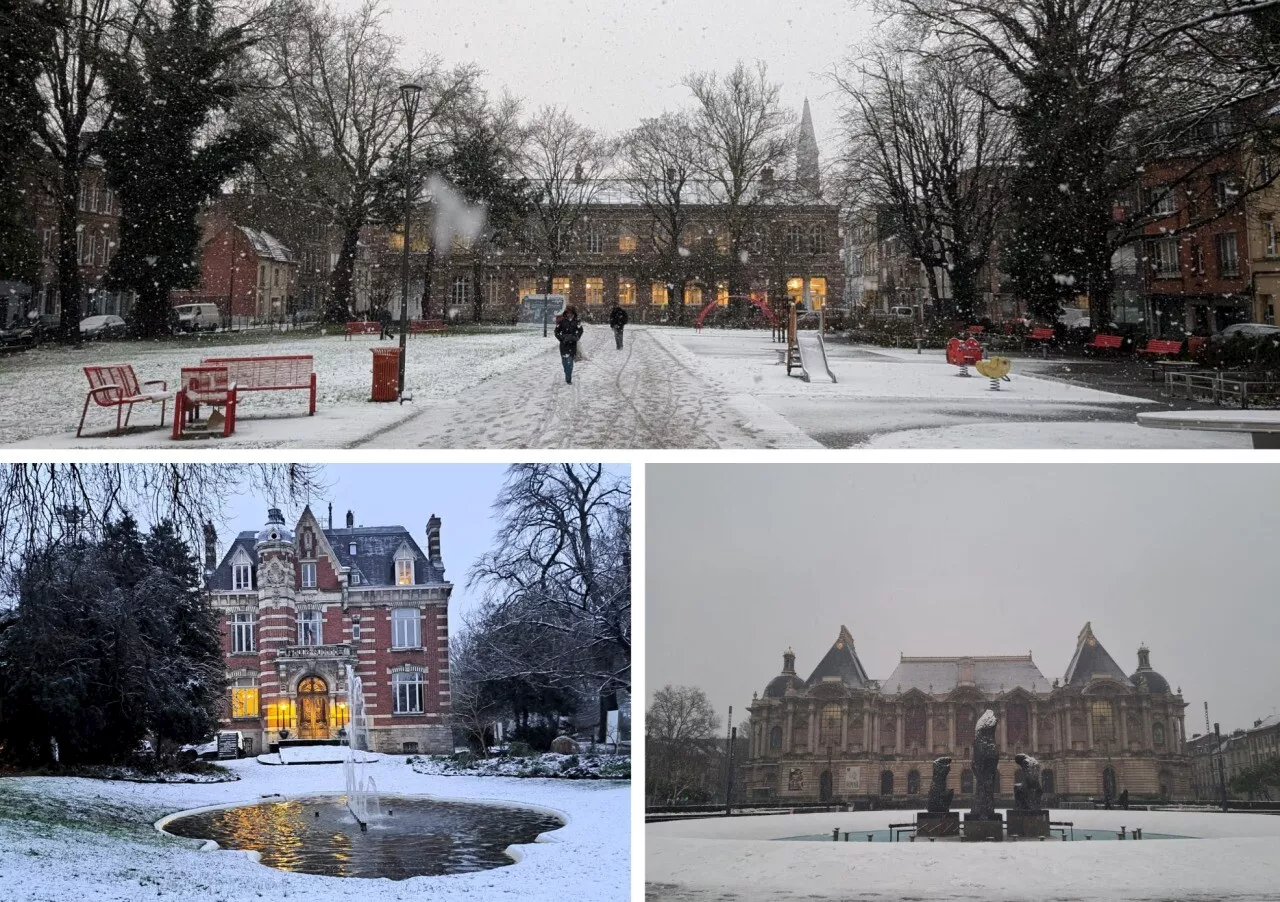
{"points": [[70, 839], [1236, 857], [667, 388]]}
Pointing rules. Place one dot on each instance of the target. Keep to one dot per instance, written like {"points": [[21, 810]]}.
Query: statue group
{"points": [[983, 823]]}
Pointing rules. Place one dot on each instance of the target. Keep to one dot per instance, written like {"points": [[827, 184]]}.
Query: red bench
{"points": [[976, 330], [1041, 333], [283, 373], [1102, 342], [116, 385], [1161, 347], [363, 327], [209, 385], [418, 326]]}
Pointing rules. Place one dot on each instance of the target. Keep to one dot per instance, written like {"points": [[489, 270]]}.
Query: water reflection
{"points": [[418, 837]]}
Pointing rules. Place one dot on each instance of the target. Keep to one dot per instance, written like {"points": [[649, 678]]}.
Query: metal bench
{"points": [[198, 385], [1162, 347], [896, 830], [363, 327], [1104, 342], [419, 326], [116, 385], [282, 373], [1062, 827]]}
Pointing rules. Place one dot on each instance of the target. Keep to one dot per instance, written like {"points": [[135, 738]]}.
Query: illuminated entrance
{"points": [[313, 709]]}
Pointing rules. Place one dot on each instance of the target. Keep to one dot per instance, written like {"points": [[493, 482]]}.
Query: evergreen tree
{"points": [[24, 40], [165, 154]]}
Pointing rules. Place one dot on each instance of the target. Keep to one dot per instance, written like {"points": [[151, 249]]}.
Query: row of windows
{"points": [[796, 240], [1162, 255], [1224, 187], [91, 250], [407, 696], [242, 574], [406, 629], [97, 199], [660, 292]]}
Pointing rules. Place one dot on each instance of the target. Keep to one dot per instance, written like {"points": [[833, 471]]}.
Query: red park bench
{"points": [[363, 327], [975, 331], [116, 385], [1103, 342], [418, 326], [1041, 333], [284, 373], [1161, 347]]}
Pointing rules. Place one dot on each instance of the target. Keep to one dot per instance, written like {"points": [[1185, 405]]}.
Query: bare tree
{"points": [[563, 163], [557, 585], [338, 99], [659, 163], [926, 145], [680, 733], [744, 136]]}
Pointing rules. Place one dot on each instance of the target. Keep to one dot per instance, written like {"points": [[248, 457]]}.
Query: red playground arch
{"points": [[756, 300]]}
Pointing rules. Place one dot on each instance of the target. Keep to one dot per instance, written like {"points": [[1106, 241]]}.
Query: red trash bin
{"points": [[386, 374]]}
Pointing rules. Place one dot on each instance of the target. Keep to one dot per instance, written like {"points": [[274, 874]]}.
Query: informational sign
{"points": [[228, 745], [853, 780]]}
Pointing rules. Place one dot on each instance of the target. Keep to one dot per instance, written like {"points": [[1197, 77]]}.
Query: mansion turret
{"points": [[299, 604], [838, 735]]}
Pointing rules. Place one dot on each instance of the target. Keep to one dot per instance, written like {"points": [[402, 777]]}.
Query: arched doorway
{"points": [[824, 787], [886, 783], [313, 708]]}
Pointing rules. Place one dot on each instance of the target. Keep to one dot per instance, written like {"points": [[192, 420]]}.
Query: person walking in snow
{"points": [[568, 332], [617, 319], [384, 319]]}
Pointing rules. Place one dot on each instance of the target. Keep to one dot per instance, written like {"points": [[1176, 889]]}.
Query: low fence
{"points": [[1243, 390]]}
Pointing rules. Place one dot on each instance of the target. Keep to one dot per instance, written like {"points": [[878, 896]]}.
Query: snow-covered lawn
{"points": [[566, 767], [42, 391], [1236, 856], [70, 839]]}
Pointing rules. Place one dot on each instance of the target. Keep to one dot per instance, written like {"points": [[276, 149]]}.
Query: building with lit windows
{"points": [[299, 604], [839, 735]]}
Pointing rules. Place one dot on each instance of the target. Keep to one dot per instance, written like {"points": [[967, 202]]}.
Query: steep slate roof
{"points": [[940, 675], [267, 246], [374, 560], [1091, 660], [841, 661]]}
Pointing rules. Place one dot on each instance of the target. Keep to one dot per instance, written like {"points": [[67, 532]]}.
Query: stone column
{"points": [[787, 745], [813, 727], [1088, 725], [844, 728], [928, 729], [1003, 730], [1123, 725], [951, 728], [1070, 739], [1035, 731], [898, 725], [874, 728]]}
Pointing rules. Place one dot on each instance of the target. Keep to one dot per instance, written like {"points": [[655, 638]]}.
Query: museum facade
{"points": [[840, 736], [298, 605]]}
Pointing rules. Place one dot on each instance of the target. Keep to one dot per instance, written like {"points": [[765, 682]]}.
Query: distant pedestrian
{"points": [[384, 318], [1124, 799], [568, 331], [617, 320]]}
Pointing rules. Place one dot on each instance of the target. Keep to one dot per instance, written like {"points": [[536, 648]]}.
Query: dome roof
{"points": [[274, 530], [779, 685], [1155, 682]]}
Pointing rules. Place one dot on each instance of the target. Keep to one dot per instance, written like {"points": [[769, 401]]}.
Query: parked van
{"points": [[198, 317], [902, 313]]}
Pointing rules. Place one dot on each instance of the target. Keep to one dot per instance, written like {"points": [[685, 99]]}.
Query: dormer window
{"points": [[404, 572], [351, 549], [242, 573]]}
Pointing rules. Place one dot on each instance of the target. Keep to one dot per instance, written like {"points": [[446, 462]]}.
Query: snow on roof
{"points": [[268, 246], [988, 675]]}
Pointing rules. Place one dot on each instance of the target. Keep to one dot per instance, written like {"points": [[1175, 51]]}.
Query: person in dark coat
{"points": [[617, 319], [1124, 799], [568, 332], [384, 318]]}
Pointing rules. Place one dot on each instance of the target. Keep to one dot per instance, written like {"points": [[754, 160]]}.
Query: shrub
{"points": [[570, 762], [519, 749], [463, 759]]}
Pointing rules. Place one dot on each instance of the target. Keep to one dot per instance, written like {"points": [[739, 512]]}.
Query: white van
{"points": [[902, 313], [198, 317]]}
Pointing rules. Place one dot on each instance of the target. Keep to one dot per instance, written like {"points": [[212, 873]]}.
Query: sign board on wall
{"points": [[228, 745]]}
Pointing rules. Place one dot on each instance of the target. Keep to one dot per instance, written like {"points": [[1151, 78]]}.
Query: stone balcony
{"points": [[342, 653]]}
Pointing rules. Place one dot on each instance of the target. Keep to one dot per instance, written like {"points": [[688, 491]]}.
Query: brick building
{"points": [[248, 273], [1242, 749], [298, 605], [838, 734]]}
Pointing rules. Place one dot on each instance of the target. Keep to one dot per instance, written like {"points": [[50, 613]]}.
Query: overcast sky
{"points": [[612, 63], [996, 559]]}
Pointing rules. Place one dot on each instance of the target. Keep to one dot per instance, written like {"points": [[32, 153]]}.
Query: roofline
{"points": [[1001, 659]]}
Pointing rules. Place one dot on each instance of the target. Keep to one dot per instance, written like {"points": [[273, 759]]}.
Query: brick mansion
{"points": [[838, 735], [298, 604]]}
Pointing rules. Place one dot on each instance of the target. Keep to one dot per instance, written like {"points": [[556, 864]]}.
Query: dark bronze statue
{"points": [[985, 758], [1027, 794], [939, 796]]}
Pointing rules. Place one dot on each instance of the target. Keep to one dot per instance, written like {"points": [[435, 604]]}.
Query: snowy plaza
{"points": [[670, 387], [99, 837], [1235, 856]]}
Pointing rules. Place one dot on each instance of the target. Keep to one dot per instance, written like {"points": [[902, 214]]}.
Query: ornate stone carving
{"points": [[1028, 792], [939, 796]]}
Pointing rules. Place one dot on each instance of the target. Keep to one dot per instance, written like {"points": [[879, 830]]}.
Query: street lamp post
{"points": [[409, 94]]}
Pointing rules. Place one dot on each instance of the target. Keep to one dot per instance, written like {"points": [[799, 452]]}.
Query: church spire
{"points": [[807, 170]]}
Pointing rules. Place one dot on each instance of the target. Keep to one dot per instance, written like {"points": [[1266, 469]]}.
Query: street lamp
{"points": [[409, 94]]}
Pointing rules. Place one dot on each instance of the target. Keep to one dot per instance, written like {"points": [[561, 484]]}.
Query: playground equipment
{"points": [[754, 300], [963, 352], [806, 351], [995, 369]]}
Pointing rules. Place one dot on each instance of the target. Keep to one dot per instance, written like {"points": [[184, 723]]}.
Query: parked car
{"points": [[17, 337], [44, 325], [104, 326], [198, 317], [1253, 331]]}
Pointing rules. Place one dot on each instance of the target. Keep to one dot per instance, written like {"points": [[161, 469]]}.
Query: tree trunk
{"points": [[964, 290], [152, 311], [340, 305], [69, 286], [427, 280], [477, 288]]}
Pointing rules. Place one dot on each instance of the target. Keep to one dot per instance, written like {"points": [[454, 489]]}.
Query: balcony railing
{"points": [[316, 652]]}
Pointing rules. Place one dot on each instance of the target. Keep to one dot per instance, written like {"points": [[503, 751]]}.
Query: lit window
{"points": [[242, 576], [595, 290], [407, 693], [241, 632], [309, 629], [818, 292], [406, 628], [693, 295], [308, 574], [626, 243], [404, 572], [658, 294], [562, 286], [722, 294], [528, 287], [244, 699], [626, 292]]}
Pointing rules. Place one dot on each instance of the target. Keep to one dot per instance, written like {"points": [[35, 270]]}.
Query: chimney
{"points": [[433, 540], [351, 520], [210, 547], [331, 515]]}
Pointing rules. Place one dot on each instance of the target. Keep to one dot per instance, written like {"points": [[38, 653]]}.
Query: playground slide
{"points": [[813, 357]]}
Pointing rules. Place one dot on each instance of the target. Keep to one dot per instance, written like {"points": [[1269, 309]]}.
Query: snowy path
{"points": [[714, 860], [67, 839]]}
